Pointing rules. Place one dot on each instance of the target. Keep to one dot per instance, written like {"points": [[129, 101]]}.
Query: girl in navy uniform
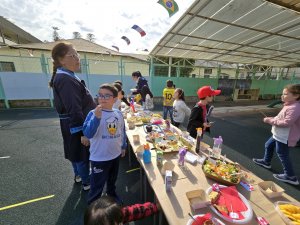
{"points": [[72, 101]]}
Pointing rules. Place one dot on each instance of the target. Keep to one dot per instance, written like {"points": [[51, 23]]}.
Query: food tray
{"points": [[219, 179], [282, 215]]}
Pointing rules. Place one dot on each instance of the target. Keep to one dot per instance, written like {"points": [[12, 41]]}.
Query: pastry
{"points": [[213, 196]]}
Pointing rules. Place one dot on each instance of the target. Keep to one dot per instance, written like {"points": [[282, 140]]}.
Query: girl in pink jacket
{"points": [[286, 133]]}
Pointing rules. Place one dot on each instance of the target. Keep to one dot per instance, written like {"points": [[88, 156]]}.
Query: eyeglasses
{"points": [[74, 56], [106, 96]]}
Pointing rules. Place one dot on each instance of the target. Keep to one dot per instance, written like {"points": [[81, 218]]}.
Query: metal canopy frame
{"points": [[254, 32]]}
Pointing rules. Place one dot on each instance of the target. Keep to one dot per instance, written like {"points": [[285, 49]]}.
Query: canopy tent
{"points": [[255, 32]]}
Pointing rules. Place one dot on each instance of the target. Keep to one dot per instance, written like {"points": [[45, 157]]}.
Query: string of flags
{"points": [[172, 8]]}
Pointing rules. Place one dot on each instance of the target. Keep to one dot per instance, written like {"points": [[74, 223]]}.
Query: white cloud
{"points": [[108, 20]]}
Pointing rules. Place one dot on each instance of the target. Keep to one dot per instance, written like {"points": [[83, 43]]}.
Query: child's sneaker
{"points": [[77, 179], [86, 187], [291, 180], [262, 163]]}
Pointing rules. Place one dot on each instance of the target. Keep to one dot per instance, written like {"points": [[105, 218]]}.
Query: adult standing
{"points": [[142, 86], [73, 102]]}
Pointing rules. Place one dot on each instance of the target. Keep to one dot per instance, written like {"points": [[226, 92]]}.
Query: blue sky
{"points": [[108, 20]]}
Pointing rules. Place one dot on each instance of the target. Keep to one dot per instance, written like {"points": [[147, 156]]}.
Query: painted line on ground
{"points": [[26, 202], [5, 157], [129, 171]]}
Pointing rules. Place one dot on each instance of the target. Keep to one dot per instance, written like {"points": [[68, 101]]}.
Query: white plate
{"points": [[247, 214], [195, 216]]}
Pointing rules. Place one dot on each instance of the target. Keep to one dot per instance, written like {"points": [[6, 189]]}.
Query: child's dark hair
{"points": [[136, 74], [169, 83], [180, 94], [111, 88], [118, 86], [294, 89], [103, 211], [118, 82]]}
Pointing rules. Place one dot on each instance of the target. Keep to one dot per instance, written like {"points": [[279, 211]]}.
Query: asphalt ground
{"points": [[32, 165]]}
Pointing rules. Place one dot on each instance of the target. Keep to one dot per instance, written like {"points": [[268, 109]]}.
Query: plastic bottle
{"points": [[198, 139], [182, 153], [147, 154], [216, 151], [159, 158]]}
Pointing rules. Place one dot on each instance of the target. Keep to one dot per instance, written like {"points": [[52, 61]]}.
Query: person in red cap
{"points": [[198, 117]]}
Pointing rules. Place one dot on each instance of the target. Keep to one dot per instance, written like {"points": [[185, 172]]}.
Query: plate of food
{"points": [[168, 145], [289, 211], [204, 219], [230, 205], [224, 172]]}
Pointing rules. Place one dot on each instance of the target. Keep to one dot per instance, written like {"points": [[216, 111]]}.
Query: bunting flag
{"points": [[170, 5], [126, 39], [140, 30], [116, 47]]}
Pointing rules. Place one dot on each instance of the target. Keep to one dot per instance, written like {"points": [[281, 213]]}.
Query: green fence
{"points": [[107, 70]]}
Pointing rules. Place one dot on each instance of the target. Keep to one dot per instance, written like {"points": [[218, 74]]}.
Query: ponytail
{"points": [[53, 75]]}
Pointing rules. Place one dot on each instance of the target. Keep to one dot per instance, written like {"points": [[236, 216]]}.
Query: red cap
{"points": [[207, 91]]}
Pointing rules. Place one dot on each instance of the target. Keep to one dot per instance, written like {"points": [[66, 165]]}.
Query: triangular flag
{"points": [[170, 5]]}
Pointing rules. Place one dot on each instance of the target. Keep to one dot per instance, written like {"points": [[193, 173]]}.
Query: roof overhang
{"points": [[235, 31], [14, 33]]}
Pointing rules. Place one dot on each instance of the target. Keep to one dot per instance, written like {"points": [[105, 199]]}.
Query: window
{"points": [[7, 67], [207, 71]]}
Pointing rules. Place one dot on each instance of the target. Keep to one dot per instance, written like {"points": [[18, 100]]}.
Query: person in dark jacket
{"points": [[140, 87], [72, 101], [198, 117], [140, 80]]}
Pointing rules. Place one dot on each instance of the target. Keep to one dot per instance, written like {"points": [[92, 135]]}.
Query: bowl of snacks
{"points": [[289, 211], [222, 171]]}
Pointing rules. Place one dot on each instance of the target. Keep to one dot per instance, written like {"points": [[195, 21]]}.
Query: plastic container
{"points": [[217, 148]]}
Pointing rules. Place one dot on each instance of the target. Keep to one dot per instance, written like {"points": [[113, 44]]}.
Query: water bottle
{"points": [[147, 154], [182, 153], [216, 151]]}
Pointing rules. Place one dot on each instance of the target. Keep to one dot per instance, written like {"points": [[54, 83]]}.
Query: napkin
{"points": [[229, 197]]}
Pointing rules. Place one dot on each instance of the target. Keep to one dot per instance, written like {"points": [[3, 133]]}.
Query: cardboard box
{"points": [[269, 189], [197, 198]]}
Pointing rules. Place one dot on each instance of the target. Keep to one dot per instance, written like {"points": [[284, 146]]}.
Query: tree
{"points": [[90, 37], [76, 35], [55, 34]]}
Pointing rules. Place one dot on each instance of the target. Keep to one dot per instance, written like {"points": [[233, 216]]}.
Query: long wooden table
{"points": [[175, 204]]}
